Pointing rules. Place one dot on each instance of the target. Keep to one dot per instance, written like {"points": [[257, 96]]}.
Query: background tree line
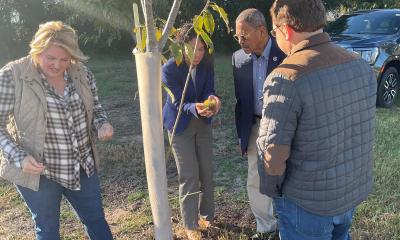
{"points": [[106, 25]]}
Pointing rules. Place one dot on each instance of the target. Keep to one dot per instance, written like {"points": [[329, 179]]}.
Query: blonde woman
{"points": [[49, 110]]}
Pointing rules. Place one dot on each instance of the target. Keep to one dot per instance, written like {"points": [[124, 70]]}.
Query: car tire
{"points": [[388, 88]]}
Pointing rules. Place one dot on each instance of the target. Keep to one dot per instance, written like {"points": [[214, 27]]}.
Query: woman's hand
{"points": [[217, 101], [105, 132], [203, 110], [31, 166]]}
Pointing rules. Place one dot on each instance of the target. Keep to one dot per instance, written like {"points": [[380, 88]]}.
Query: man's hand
{"points": [[275, 157], [105, 132], [31, 166]]}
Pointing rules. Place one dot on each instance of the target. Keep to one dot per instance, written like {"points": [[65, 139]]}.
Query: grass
{"points": [[123, 176], [136, 196], [115, 76], [378, 217]]}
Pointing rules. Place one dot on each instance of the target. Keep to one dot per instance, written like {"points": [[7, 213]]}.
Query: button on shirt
{"points": [[260, 65]]}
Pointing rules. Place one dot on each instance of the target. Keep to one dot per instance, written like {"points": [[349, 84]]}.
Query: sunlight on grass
{"points": [[137, 195], [230, 167], [230, 236], [115, 77], [379, 217], [72, 235], [71, 227], [9, 196], [67, 214], [128, 222]]}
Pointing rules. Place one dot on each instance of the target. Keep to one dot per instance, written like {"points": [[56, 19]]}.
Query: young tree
{"points": [[148, 65]]}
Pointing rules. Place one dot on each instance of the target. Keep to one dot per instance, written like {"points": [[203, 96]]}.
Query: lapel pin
{"points": [[275, 59]]}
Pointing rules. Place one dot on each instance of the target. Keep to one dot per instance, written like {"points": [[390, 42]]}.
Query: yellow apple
{"points": [[210, 103]]}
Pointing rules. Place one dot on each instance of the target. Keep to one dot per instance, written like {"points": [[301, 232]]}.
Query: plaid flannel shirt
{"points": [[67, 146]]}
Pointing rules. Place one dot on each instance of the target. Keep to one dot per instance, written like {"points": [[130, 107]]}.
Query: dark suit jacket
{"points": [[243, 79], [174, 77]]}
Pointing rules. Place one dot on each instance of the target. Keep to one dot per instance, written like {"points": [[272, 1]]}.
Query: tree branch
{"points": [[149, 19], [170, 23], [143, 8]]}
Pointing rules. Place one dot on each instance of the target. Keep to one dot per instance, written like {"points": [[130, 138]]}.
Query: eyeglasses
{"points": [[242, 37], [273, 31]]}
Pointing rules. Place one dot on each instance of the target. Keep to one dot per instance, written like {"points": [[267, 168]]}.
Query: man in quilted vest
{"points": [[316, 134]]}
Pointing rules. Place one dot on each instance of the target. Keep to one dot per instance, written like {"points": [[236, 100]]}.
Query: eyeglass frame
{"points": [[244, 37], [273, 31]]}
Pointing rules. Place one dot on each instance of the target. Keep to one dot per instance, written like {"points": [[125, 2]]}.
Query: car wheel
{"points": [[388, 88]]}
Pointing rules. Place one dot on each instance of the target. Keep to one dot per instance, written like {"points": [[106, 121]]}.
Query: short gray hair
{"points": [[252, 16]]}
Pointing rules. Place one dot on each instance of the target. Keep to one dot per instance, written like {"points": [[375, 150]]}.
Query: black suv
{"points": [[375, 36]]}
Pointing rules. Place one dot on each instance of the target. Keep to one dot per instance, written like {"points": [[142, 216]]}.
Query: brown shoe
{"points": [[193, 234], [204, 224]]}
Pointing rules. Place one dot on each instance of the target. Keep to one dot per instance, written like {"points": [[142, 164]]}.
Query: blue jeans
{"points": [[44, 206], [295, 223]]}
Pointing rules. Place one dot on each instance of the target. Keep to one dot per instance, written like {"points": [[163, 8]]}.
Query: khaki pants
{"points": [[194, 159], [261, 205]]}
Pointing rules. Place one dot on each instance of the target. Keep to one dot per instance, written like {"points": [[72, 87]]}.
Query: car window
{"points": [[366, 23]]}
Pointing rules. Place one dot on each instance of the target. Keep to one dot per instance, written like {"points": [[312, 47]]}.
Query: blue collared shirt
{"points": [[260, 65]]}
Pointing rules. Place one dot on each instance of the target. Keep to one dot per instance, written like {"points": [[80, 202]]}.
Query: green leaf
{"points": [[222, 13], [198, 22], [208, 41], [209, 23], [189, 51], [164, 22], [176, 51], [168, 91]]}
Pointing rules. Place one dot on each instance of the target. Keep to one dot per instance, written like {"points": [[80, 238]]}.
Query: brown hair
{"points": [[186, 33], [301, 15]]}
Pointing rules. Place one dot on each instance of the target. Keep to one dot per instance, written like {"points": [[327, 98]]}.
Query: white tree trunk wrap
{"points": [[148, 67]]}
